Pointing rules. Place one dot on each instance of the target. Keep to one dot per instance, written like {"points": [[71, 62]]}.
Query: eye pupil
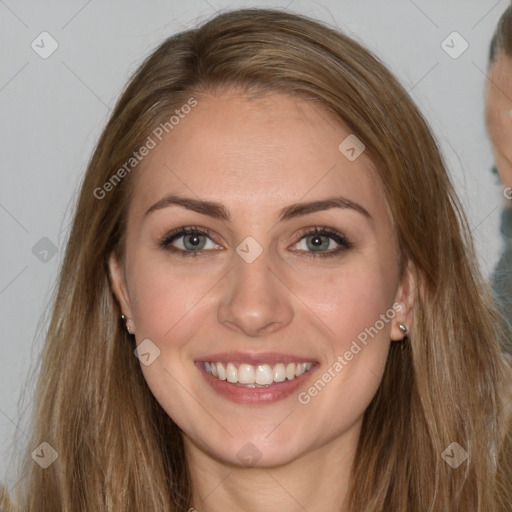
{"points": [[194, 241], [316, 242]]}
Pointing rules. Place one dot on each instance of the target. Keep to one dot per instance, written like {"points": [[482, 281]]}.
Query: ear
{"points": [[404, 302], [118, 283]]}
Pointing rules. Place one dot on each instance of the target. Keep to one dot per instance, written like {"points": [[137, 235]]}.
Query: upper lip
{"points": [[254, 358]]}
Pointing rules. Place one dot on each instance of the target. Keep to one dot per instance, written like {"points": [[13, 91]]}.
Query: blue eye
{"points": [[189, 241], [193, 241], [319, 242], [322, 242]]}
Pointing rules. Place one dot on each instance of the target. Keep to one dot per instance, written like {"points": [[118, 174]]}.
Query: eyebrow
{"points": [[219, 211], [210, 208], [300, 209]]}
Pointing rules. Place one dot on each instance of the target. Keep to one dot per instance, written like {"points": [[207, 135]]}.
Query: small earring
{"points": [[403, 328], [128, 328]]}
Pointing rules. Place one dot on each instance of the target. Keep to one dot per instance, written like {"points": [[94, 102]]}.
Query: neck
{"points": [[318, 480]]}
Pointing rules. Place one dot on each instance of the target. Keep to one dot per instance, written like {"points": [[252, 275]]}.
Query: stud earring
{"points": [[126, 321], [403, 328]]}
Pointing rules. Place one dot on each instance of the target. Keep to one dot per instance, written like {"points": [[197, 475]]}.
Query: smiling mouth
{"points": [[253, 376]]}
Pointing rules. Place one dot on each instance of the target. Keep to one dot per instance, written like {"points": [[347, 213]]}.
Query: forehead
{"points": [[256, 152]]}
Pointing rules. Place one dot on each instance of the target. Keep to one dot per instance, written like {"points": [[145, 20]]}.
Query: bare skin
{"points": [[257, 157], [498, 112]]}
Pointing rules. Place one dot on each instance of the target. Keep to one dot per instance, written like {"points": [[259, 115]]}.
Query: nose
{"points": [[255, 300]]}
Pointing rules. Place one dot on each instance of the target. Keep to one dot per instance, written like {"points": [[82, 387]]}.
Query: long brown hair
{"points": [[118, 450]]}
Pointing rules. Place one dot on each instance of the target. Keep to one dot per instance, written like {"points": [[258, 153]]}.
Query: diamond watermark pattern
{"points": [[454, 45], [454, 455], [45, 455], [146, 352], [249, 454], [44, 250], [249, 249], [351, 147], [44, 45]]}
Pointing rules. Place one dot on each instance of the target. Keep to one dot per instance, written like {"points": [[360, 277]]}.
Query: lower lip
{"points": [[264, 395]]}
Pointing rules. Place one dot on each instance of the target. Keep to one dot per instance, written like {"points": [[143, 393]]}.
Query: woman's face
{"points": [[498, 110], [256, 245]]}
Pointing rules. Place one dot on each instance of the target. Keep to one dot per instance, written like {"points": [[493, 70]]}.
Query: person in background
{"points": [[498, 113]]}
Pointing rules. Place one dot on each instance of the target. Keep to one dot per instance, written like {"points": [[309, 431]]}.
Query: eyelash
{"points": [[174, 235], [343, 243]]}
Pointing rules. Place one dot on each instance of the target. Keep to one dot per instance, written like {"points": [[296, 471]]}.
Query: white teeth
{"points": [[264, 375], [259, 375], [231, 373], [279, 372], [246, 374], [220, 371]]}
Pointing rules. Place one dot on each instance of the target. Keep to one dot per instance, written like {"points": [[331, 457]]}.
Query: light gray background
{"points": [[52, 111]]}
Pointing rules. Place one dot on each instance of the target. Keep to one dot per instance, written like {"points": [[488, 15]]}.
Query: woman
{"points": [[268, 224], [498, 110]]}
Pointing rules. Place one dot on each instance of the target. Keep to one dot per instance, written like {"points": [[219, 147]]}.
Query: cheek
{"points": [[164, 296], [170, 306], [351, 299], [505, 137], [358, 309]]}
